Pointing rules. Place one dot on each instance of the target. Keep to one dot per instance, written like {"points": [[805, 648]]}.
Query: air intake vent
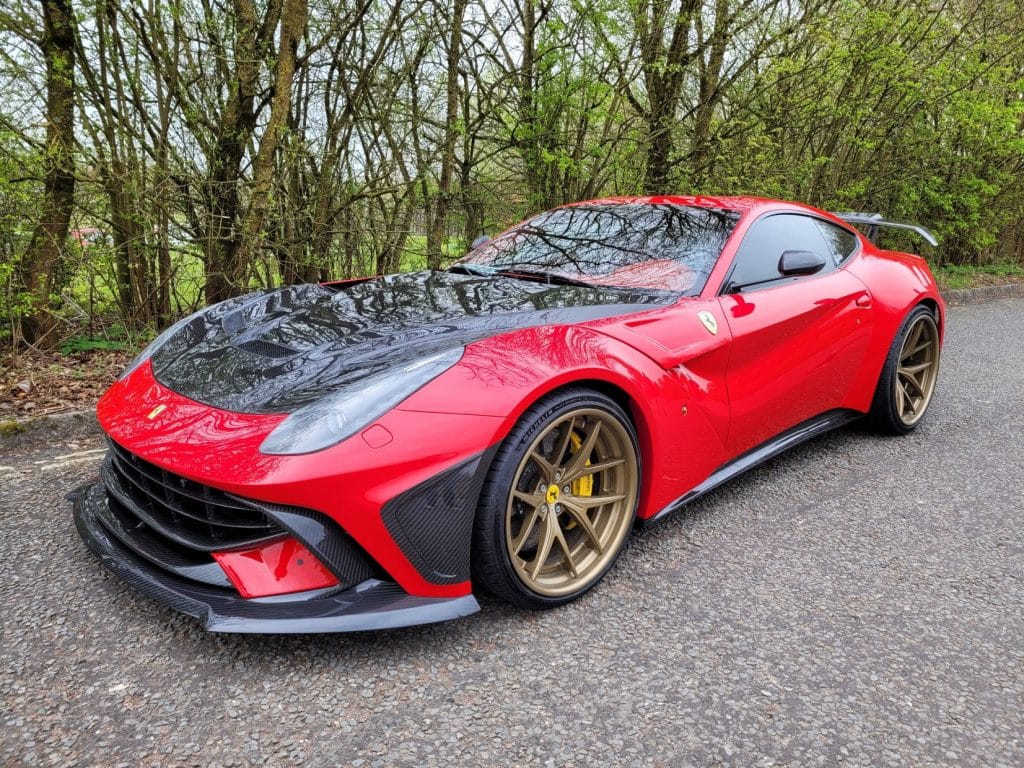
{"points": [[191, 515], [266, 348]]}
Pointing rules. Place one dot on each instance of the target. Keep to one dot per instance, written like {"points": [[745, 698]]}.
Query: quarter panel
{"points": [[898, 282]]}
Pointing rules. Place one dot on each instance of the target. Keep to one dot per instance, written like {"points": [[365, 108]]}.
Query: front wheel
{"points": [[559, 500], [907, 383]]}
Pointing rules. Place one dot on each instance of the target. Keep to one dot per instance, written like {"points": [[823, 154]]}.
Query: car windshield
{"points": [[656, 246]]}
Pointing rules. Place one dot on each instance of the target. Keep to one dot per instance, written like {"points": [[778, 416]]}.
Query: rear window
{"points": [[841, 242]]}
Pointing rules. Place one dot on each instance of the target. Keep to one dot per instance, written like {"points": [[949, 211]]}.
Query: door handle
{"points": [[863, 300]]}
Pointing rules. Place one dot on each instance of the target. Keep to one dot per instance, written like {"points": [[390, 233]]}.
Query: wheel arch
{"points": [[645, 421], [630, 405], [612, 389], [937, 310]]}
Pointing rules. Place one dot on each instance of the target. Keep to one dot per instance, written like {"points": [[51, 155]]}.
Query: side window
{"points": [[841, 242], [757, 260]]}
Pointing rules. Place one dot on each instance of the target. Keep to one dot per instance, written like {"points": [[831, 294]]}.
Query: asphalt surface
{"points": [[859, 601]]}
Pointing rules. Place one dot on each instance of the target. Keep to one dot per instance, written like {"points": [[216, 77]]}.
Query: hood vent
{"points": [[266, 348]]}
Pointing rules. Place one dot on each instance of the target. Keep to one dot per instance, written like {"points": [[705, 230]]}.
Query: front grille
{"points": [[176, 523], [185, 513]]}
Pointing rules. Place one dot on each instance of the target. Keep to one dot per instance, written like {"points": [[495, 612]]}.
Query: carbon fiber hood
{"points": [[276, 351]]}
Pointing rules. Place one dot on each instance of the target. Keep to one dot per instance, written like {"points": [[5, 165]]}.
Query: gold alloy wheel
{"points": [[918, 368], [572, 502]]}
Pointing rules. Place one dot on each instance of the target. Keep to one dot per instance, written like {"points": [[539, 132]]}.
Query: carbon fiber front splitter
{"points": [[371, 605]]}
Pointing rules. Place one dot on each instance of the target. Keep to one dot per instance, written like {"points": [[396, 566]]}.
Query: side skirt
{"points": [[801, 433]]}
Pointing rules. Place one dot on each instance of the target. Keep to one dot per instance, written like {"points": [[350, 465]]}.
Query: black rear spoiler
{"points": [[874, 220]]}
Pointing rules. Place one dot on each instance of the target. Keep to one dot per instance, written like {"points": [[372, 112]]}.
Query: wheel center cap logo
{"points": [[709, 322], [552, 495]]}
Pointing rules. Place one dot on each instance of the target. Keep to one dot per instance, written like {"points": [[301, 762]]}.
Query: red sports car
{"points": [[367, 454]]}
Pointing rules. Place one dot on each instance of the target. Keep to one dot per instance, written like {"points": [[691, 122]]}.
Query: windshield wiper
{"points": [[552, 278], [535, 275], [473, 269]]}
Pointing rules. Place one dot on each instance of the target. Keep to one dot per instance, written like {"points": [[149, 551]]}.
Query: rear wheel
{"points": [[907, 383], [559, 501]]}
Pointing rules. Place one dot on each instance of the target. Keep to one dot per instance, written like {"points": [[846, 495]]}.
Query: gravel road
{"points": [[859, 601]]}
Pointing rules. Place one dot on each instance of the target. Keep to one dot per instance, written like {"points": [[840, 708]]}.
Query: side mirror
{"points": [[794, 263], [482, 240]]}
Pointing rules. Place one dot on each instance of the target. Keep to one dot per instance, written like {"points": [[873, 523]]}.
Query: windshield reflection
{"points": [[655, 246]]}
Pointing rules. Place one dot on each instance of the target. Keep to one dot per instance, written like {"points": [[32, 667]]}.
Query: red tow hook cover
{"points": [[277, 568]]}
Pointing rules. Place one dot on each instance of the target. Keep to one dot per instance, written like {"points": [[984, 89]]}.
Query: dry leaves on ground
{"points": [[34, 383]]}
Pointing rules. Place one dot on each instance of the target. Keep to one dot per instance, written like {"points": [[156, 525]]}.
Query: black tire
{"points": [[561, 416], [886, 414]]}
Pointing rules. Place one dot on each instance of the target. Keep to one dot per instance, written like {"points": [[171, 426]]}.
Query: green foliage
{"points": [[954, 276], [414, 256], [898, 108], [77, 344], [19, 197], [915, 110], [10, 427]]}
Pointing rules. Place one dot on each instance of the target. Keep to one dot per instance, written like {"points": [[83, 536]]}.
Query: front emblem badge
{"points": [[552, 494], [709, 322], [156, 412]]}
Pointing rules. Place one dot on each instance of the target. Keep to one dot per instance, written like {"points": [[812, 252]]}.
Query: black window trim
{"points": [[783, 280]]}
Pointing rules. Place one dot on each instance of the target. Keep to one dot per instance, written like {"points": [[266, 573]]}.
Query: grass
{"points": [[88, 344], [10, 427], [954, 277]]}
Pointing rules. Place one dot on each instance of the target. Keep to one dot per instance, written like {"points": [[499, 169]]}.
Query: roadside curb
{"points": [[982, 293], [56, 426]]}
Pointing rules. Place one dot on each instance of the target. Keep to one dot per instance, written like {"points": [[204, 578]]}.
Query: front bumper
{"points": [[370, 605]]}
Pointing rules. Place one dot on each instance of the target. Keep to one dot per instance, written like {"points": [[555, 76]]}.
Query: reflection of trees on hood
{"points": [[252, 357]]}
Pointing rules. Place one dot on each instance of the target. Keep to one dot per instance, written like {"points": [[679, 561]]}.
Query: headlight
{"points": [[343, 413], [158, 342]]}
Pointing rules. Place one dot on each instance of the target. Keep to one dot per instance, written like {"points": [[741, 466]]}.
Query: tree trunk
{"points": [[702, 158], [665, 56], [36, 271], [129, 242], [529, 129], [293, 23], [659, 145], [221, 238], [439, 220]]}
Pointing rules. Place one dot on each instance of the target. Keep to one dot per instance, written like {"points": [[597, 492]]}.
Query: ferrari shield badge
{"points": [[709, 322], [156, 412]]}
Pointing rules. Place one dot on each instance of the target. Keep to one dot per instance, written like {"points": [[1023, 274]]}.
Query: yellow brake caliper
{"points": [[583, 486]]}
